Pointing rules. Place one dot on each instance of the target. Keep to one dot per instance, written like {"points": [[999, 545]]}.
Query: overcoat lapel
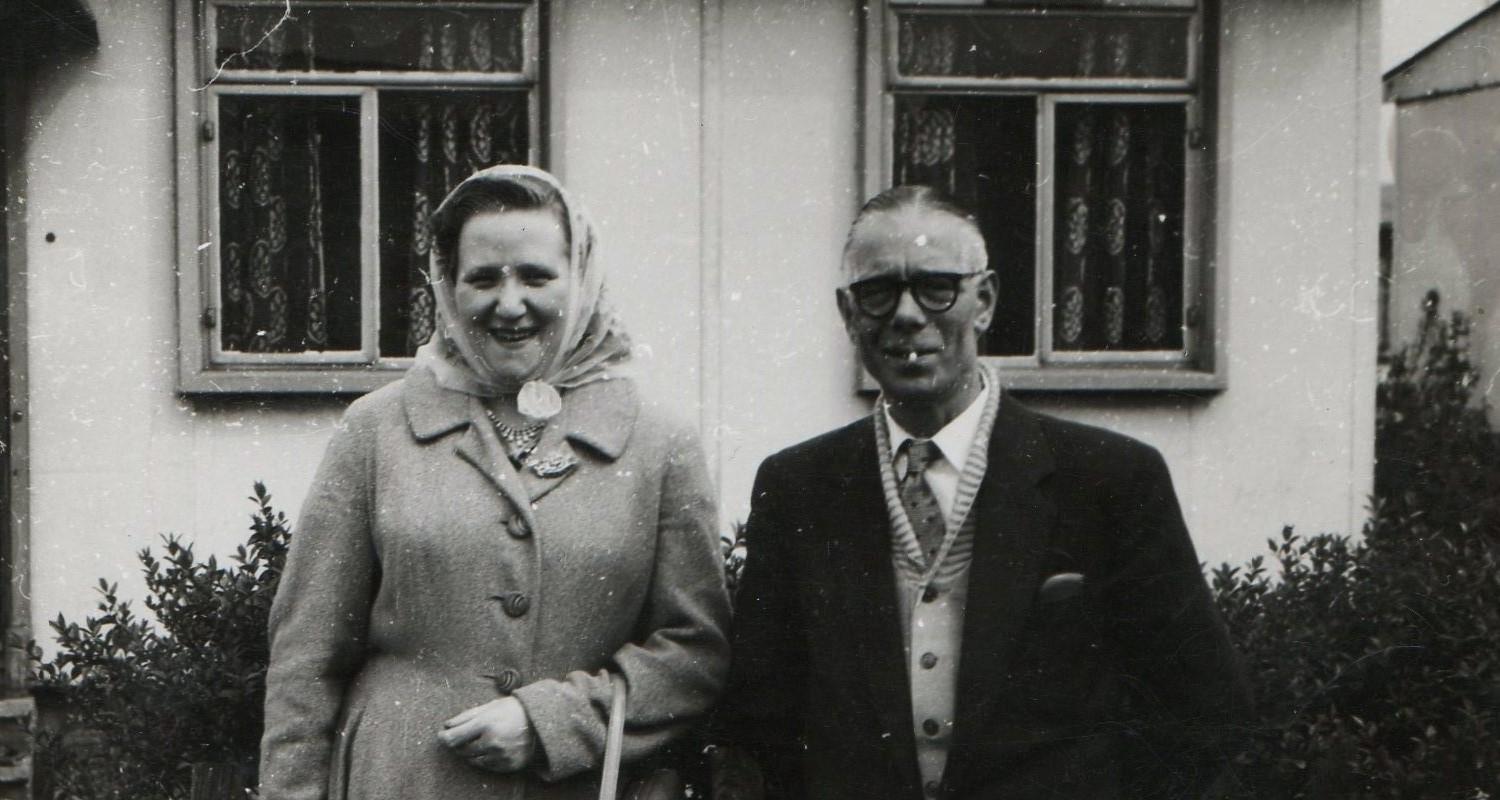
{"points": [[1015, 521], [859, 522]]}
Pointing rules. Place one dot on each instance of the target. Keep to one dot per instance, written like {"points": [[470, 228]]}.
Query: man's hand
{"points": [[496, 736]]}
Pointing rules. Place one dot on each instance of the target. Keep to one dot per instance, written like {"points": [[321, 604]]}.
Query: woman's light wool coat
{"points": [[402, 603]]}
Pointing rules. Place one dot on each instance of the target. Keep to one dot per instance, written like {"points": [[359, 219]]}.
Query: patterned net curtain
{"points": [[1049, 45], [349, 37], [291, 170], [1118, 241], [289, 275]]}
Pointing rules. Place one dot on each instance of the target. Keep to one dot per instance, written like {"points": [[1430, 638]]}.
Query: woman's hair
{"points": [[471, 198]]}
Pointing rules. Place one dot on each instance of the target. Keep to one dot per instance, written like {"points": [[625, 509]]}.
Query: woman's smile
{"points": [[514, 336]]}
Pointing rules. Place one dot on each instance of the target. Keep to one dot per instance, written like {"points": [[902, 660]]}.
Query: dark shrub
{"points": [[144, 701], [1377, 663]]}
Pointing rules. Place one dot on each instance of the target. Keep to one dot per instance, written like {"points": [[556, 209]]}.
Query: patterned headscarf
{"points": [[593, 344]]}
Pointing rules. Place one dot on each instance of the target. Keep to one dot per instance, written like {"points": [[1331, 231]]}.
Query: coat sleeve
{"points": [[675, 669], [319, 619], [1191, 697], [759, 713]]}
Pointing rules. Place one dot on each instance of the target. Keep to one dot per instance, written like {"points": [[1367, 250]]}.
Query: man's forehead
{"points": [[914, 239]]}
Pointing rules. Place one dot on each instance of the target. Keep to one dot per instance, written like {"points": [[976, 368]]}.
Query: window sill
{"points": [[315, 380]]}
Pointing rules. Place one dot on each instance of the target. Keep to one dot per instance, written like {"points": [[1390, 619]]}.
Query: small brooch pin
{"points": [[551, 466]]}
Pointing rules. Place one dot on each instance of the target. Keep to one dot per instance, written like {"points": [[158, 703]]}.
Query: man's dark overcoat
{"points": [[1115, 679]]}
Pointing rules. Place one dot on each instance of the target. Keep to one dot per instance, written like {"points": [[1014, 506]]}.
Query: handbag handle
{"points": [[614, 742]]}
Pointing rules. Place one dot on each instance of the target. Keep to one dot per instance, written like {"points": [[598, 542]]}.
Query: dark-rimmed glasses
{"points": [[935, 292]]}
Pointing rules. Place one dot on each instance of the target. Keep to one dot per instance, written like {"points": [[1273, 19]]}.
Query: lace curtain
{"points": [[285, 278], [354, 37], [1117, 239]]}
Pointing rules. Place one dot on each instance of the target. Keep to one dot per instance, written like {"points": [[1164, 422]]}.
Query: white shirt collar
{"points": [[955, 439]]}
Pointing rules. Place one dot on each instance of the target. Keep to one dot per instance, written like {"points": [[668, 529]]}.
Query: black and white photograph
{"points": [[750, 399]]}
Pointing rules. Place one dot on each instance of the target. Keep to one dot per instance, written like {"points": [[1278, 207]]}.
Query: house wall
{"points": [[1448, 198], [716, 144]]}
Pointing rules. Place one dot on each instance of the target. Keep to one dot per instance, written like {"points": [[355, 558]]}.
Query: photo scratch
{"points": [[286, 15]]}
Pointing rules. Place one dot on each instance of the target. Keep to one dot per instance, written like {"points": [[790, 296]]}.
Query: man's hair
{"points": [[470, 199], [909, 198]]}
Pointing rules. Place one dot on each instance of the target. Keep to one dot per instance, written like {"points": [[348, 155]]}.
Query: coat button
{"points": [[516, 526], [507, 681], [929, 594], [930, 788], [929, 660], [516, 604], [931, 727]]}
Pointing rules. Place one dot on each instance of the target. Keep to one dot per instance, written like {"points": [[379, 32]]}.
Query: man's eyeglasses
{"points": [[935, 292]]}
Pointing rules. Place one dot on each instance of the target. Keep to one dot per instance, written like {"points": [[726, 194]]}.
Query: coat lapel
{"points": [[861, 527], [1015, 521]]}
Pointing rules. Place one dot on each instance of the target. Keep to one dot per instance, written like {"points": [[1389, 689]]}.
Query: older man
{"points": [[958, 597]]}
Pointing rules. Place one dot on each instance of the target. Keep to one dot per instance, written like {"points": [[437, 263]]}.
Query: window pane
{"points": [[351, 38], [289, 199], [1011, 45], [429, 141], [982, 151], [1117, 240]]}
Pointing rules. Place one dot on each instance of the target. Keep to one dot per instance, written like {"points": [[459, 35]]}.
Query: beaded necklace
{"points": [[519, 440]]}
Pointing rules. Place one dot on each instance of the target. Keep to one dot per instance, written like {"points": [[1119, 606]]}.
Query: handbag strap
{"points": [[614, 741]]}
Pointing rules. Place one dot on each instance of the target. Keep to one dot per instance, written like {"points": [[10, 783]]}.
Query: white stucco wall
{"points": [[733, 305]]}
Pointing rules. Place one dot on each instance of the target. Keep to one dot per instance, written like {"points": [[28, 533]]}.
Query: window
{"points": [[1077, 132], [315, 138]]}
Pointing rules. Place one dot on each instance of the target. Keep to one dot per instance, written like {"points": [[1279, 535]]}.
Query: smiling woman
{"points": [[495, 539]]}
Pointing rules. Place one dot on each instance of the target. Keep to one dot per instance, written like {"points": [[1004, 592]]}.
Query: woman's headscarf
{"points": [[592, 345]]}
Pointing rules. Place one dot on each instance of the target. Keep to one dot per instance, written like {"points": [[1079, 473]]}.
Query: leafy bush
{"points": [[733, 548], [144, 701], [1376, 662]]}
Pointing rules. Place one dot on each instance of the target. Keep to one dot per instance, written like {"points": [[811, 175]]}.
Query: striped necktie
{"points": [[921, 506]]}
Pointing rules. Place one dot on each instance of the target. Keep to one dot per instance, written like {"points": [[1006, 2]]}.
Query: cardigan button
{"points": [[931, 727], [930, 788], [929, 660], [516, 526]]}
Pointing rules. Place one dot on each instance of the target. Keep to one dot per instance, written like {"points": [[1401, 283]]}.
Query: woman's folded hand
{"points": [[496, 736]]}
